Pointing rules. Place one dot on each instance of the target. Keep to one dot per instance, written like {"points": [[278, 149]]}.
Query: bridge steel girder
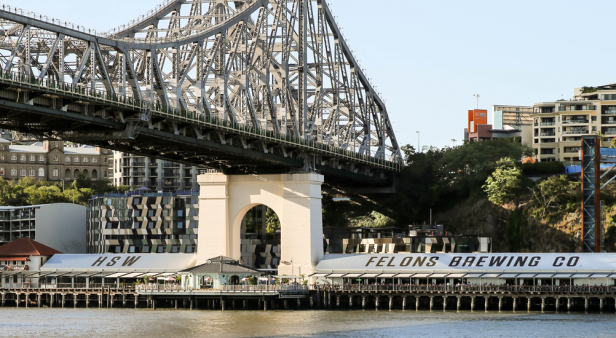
{"points": [[240, 86]]}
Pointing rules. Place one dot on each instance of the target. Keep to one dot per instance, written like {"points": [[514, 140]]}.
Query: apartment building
{"points": [[143, 222], [61, 226], [141, 171], [558, 126], [52, 161]]}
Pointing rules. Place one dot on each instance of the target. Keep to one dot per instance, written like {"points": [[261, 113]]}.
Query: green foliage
{"points": [[543, 168], [515, 230], [505, 184], [613, 143], [609, 239], [555, 195], [29, 191], [376, 220], [272, 222]]}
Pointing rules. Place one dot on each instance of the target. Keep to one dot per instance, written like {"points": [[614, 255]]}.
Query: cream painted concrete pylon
{"points": [[296, 199]]}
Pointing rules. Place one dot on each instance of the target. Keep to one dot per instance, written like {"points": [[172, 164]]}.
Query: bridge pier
{"points": [[557, 303], [311, 302], [286, 306], [87, 301], [3, 299], [123, 300], [528, 304], [299, 303], [245, 304], [154, 304], [38, 299], [17, 300], [350, 301], [337, 302], [264, 304], [176, 304], [63, 298], [136, 300], [329, 300]]}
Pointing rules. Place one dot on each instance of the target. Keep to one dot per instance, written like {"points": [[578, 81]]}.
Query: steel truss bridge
{"points": [[244, 87]]}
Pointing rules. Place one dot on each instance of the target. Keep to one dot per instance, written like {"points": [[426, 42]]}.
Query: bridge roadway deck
{"points": [[68, 112]]}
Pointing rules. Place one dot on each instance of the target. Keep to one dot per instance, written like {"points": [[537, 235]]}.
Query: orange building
{"points": [[478, 127]]}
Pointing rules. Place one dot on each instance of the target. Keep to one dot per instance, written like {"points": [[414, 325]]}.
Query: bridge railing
{"points": [[265, 288], [136, 104], [609, 289]]}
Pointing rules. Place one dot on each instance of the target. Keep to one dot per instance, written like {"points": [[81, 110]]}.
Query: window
{"points": [[13, 172], [42, 158], [189, 248], [180, 213], [150, 225], [146, 248], [174, 249], [105, 160], [131, 249], [150, 213], [136, 213], [22, 158], [76, 159], [85, 160], [41, 172], [105, 173], [32, 158], [117, 249], [160, 249], [180, 225], [94, 160], [2, 171], [13, 157], [22, 172], [593, 118], [67, 159], [55, 144], [55, 158], [194, 224], [32, 172], [55, 172], [2, 157]]}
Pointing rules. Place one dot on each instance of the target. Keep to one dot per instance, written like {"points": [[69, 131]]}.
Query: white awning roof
{"points": [[404, 275], [544, 275], [335, 275], [437, 275], [562, 275], [472, 275], [386, 275], [581, 275], [116, 263], [508, 275], [318, 275], [612, 275], [369, 275], [116, 275], [490, 275], [599, 275], [133, 275], [421, 275], [455, 275], [352, 275], [526, 275]]}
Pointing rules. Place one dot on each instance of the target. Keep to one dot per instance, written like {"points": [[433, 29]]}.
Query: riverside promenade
{"points": [[324, 297]]}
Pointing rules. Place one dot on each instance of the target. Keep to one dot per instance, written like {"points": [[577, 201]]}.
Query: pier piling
{"points": [[444, 303], [458, 304], [404, 303], [472, 303], [391, 300], [486, 301], [542, 304], [431, 302]]}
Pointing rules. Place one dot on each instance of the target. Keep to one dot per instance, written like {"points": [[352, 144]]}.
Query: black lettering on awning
{"points": [[432, 261], [469, 260], [420, 261], [130, 260], [455, 261], [573, 261], [481, 260], [520, 262], [391, 260], [534, 261], [381, 261], [559, 261], [406, 261], [100, 260], [498, 260]]}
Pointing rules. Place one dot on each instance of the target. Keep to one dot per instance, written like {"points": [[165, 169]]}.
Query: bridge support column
{"points": [[286, 306], [264, 305], [136, 300], [245, 305], [329, 300], [458, 304], [87, 301], [296, 199], [176, 304], [74, 301], [391, 302], [123, 300], [557, 303], [51, 300], [311, 302], [542, 304], [38, 300], [363, 302], [404, 303], [299, 303], [154, 304], [112, 301], [222, 304], [431, 302], [3, 298]]}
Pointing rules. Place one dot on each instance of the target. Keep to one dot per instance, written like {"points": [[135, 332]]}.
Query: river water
{"points": [[184, 323]]}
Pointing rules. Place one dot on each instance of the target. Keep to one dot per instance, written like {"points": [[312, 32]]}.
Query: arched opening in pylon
{"points": [[260, 238]]}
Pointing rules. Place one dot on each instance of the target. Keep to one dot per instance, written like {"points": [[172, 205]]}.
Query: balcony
{"points": [[577, 108], [547, 133], [548, 123], [575, 131], [608, 122], [609, 131], [576, 121]]}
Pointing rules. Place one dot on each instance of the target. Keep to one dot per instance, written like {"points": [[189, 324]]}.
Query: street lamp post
{"points": [[418, 143], [453, 142], [477, 96]]}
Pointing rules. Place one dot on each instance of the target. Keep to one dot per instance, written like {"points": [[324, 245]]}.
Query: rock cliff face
{"points": [[513, 230]]}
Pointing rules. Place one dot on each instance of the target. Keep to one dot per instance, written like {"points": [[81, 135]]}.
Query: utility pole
{"points": [[477, 96]]}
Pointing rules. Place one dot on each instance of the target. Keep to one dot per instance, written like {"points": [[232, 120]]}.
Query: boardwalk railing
{"points": [[610, 289]]}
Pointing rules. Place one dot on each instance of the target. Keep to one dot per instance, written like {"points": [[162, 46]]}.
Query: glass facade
{"points": [[137, 222]]}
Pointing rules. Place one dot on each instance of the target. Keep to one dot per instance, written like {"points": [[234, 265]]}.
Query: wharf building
{"points": [[160, 175], [558, 126], [52, 161], [61, 226], [143, 222], [19, 257]]}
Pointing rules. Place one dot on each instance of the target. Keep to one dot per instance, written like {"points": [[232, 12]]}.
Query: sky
{"points": [[428, 58]]}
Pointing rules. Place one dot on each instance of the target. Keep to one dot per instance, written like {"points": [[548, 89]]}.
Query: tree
{"points": [[554, 194], [505, 184], [377, 220], [44, 195], [272, 222]]}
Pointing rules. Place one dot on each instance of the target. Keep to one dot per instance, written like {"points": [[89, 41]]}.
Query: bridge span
{"points": [[242, 87]]}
